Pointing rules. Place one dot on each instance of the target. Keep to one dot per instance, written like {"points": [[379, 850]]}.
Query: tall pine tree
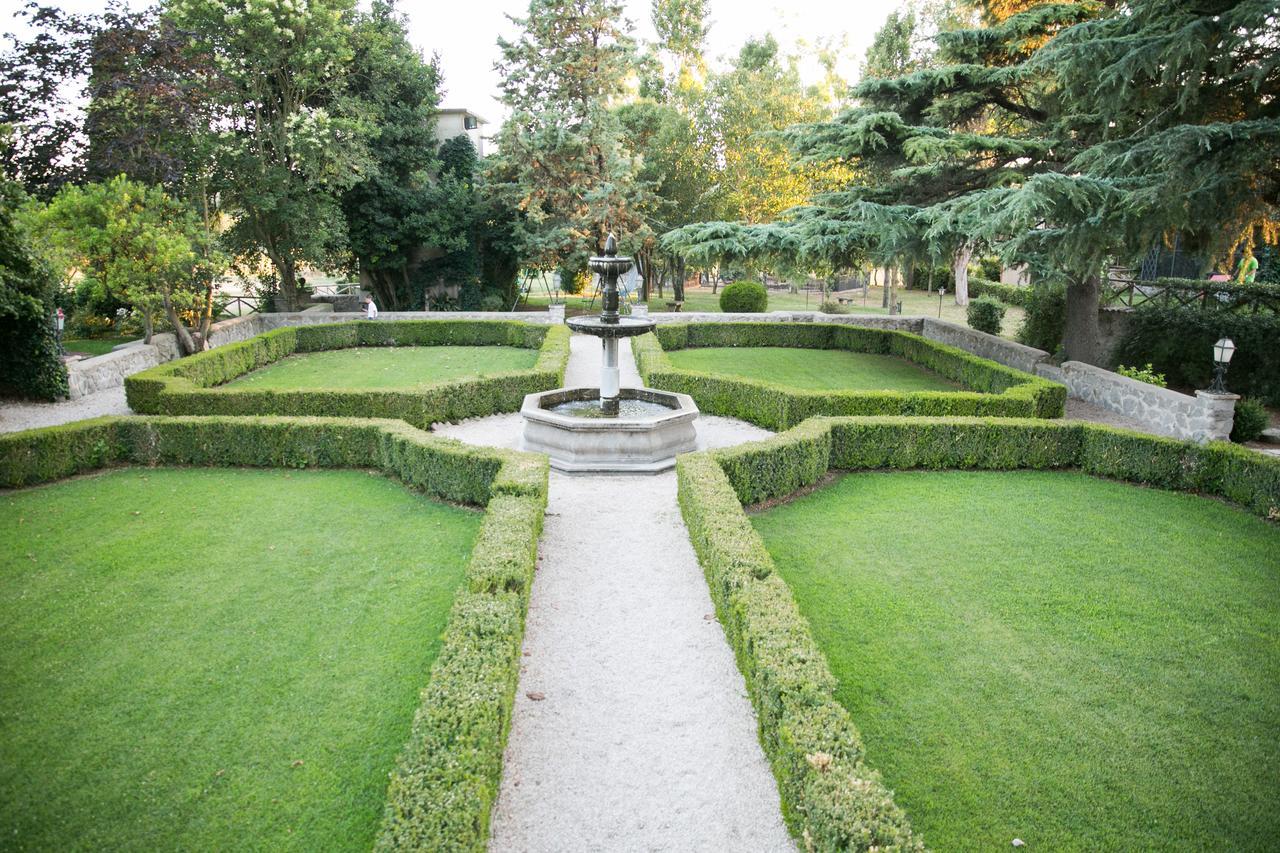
{"points": [[560, 151]]}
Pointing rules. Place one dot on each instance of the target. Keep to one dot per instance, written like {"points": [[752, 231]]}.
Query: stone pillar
{"points": [[1218, 412], [556, 313]]}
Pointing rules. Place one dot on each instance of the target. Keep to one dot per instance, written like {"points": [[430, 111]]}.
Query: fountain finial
{"points": [[611, 245]]}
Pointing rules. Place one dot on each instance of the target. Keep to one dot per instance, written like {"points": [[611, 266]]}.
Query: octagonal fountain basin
{"points": [[568, 425]]}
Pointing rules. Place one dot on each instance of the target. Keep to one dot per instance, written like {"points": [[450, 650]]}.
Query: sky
{"points": [[464, 32], [464, 36]]}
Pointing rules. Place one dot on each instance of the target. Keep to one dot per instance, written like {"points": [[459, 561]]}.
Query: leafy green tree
{"points": [[29, 361], [290, 137], [40, 79], [561, 155], [151, 104], [396, 210], [762, 93], [138, 243]]}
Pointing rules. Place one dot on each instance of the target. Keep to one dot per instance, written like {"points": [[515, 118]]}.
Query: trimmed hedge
{"points": [[1009, 294], [192, 386], [781, 464], [995, 390], [830, 798], [447, 776]]}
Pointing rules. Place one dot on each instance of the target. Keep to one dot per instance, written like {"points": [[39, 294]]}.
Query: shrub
{"points": [[744, 297], [1251, 419], [1178, 342], [1009, 294], [986, 314], [833, 307], [190, 386], [1046, 316], [995, 390], [30, 365], [1144, 374]]}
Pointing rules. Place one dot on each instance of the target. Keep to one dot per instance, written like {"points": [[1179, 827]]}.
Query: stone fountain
{"points": [[609, 428]]}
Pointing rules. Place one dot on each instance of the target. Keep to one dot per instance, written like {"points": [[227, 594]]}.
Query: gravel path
{"points": [[17, 415], [645, 739], [641, 736]]}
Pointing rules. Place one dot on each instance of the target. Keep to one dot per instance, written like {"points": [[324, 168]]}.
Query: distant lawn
{"points": [[214, 659], [387, 367], [95, 346], [812, 369], [1082, 664], [702, 299]]}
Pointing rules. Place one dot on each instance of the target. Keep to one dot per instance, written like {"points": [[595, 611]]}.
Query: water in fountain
{"points": [[627, 408]]}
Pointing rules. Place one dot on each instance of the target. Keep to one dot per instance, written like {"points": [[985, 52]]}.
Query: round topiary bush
{"points": [[744, 297], [1251, 419], [986, 313]]}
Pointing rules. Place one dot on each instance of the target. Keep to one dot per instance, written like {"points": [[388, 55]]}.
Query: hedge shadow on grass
{"points": [[446, 779], [994, 390], [831, 799], [197, 385]]}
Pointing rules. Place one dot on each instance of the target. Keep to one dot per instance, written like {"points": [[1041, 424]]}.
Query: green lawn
{"points": [[386, 367], [94, 346], [214, 659], [1082, 664], [812, 369]]}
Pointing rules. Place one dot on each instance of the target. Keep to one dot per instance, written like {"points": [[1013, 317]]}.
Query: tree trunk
{"points": [[290, 298], [1082, 338], [677, 285], [148, 326], [891, 289], [960, 267], [185, 343], [884, 289]]}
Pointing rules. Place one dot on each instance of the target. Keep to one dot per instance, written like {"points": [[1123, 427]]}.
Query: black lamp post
{"points": [[1222, 352]]}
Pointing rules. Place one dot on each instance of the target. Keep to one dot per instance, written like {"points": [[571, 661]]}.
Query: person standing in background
{"points": [[1248, 269], [371, 310]]}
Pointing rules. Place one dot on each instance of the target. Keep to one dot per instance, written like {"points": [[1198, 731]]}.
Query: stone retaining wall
{"points": [[1204, 417]]}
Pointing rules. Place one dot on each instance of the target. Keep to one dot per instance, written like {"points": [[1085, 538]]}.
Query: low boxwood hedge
{"points": [[1009, 294], [196, 385], [995, 390], [830, 798], [447, 776]]}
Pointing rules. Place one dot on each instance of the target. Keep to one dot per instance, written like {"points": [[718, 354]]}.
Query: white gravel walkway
{"points": [[18, 415], [640, 735]]}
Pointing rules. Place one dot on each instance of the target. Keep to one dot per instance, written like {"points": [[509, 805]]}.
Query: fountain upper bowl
{"points": [[626, 327]]}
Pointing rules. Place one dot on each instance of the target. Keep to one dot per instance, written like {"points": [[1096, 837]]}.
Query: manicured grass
{"points": [[812, 369], [387, 367], [214, 659], [1082, 664], [94, 346]]}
